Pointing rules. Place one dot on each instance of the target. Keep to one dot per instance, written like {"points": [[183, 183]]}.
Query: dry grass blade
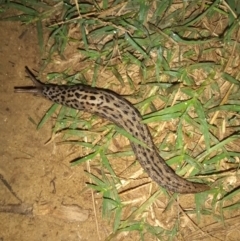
{"points": [[229, 232]]}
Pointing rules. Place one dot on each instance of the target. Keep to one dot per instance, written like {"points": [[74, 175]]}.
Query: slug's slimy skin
{"points": [[115, 108]]}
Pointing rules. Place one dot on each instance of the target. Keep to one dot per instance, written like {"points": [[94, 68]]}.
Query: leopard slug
{"points": [[118, 110]]}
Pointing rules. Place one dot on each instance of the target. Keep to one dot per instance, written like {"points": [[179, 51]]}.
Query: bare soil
{"points": [[36, 178]]}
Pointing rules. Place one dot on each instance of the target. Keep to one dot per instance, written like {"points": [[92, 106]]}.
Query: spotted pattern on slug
{"points": [[115, 108]]}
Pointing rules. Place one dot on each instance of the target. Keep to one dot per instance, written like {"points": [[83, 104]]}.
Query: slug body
{"points": [[115, 108]]}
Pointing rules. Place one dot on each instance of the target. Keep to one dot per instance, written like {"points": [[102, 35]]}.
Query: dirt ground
{"points": [[47, 197], [33, 173]]}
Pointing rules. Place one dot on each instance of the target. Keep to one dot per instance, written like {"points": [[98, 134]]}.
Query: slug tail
{"points": [[36, 89]]}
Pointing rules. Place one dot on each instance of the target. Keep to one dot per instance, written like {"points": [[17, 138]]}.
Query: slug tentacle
{"points": [[115, 108], [36, 89]]}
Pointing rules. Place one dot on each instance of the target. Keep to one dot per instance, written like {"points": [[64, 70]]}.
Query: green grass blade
{"points": [[203, 122], [48, 114], [135, 45], [85, 158]]}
